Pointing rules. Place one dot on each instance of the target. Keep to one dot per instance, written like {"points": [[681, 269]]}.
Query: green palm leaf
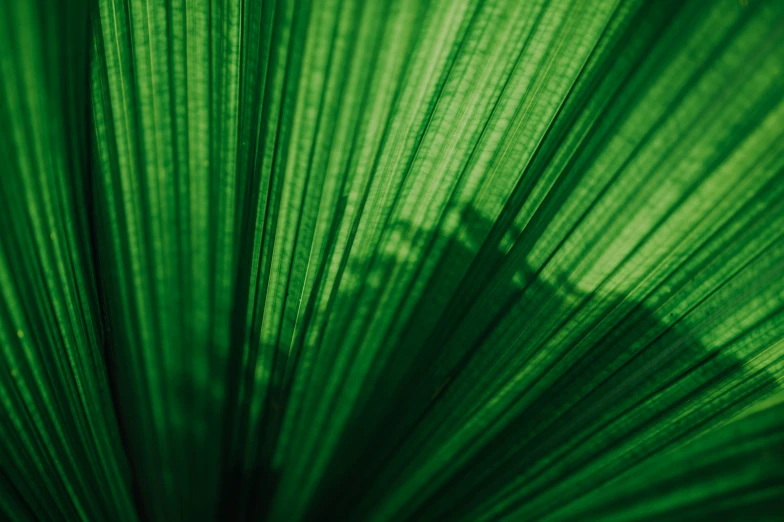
{"points": [[391, 260]]}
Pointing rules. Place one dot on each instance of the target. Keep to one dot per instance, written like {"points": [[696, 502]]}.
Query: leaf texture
{"points": [[391, 259]]}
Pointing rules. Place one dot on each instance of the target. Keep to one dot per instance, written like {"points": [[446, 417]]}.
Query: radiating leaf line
{"points": [[391, 260]]}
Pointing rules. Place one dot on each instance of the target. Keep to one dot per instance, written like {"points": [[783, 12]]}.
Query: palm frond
{"points": [[391, 260]]}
